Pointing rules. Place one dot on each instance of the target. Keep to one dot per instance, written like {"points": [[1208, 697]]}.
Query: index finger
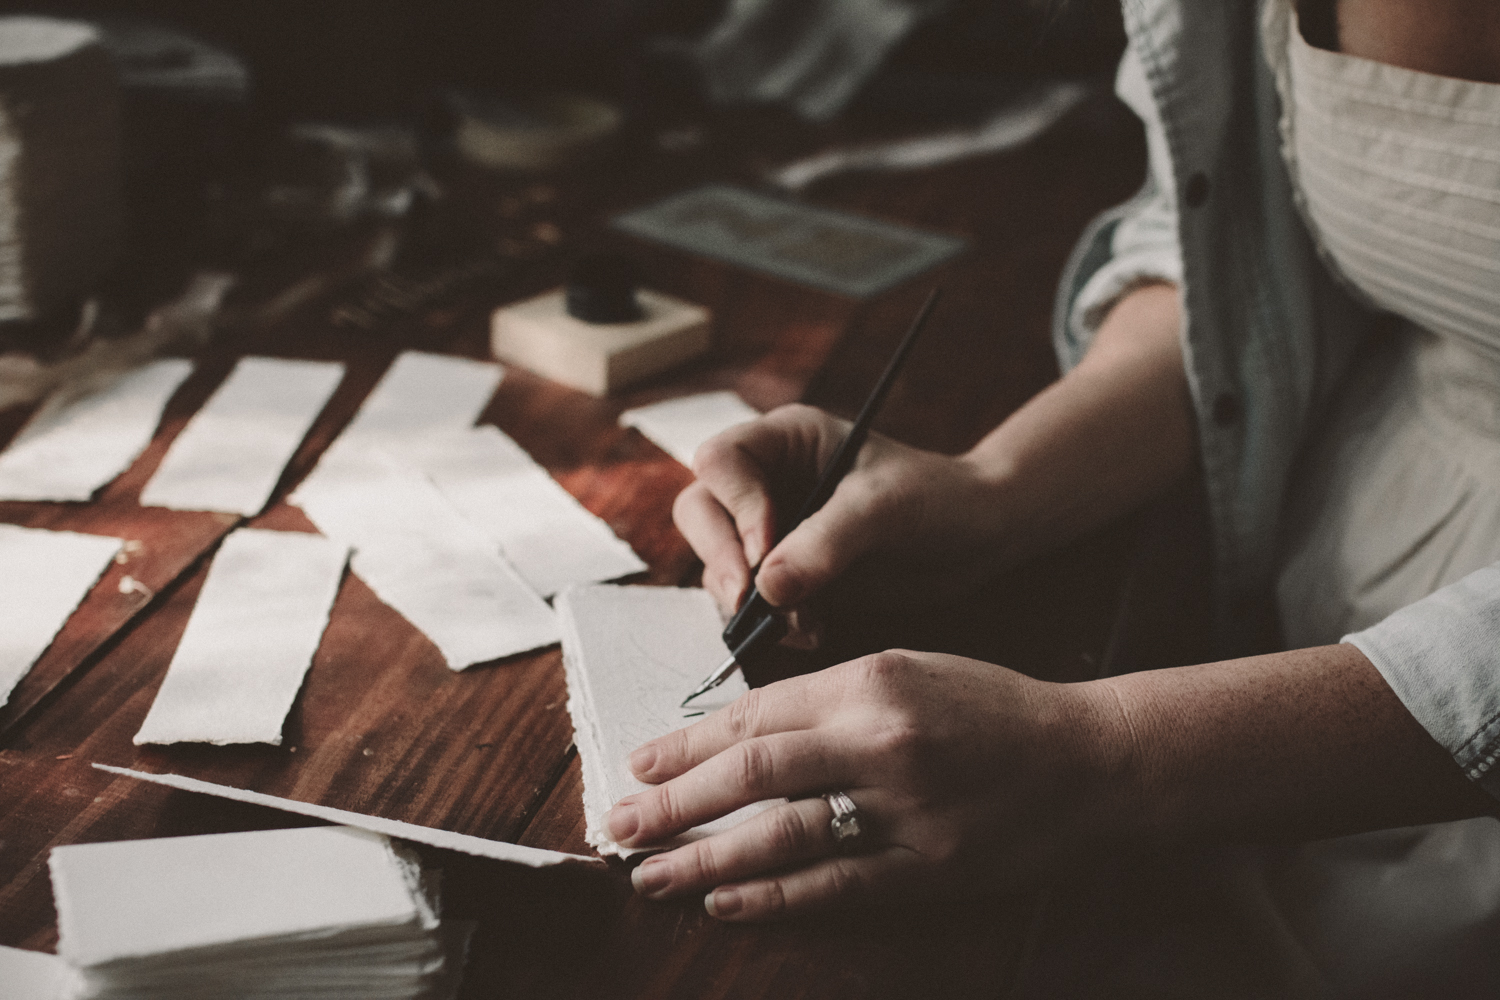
{"points": [[785, 706], [738, 467]]}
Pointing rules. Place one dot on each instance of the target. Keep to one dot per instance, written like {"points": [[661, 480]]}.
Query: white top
{"points": [[1398, 175]]}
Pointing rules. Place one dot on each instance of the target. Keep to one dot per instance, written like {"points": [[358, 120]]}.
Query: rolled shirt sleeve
{"points": [[1441, 655], [1144, 245]]}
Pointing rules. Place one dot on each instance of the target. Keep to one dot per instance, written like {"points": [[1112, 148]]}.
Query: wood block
{"points": [[599, 358]]}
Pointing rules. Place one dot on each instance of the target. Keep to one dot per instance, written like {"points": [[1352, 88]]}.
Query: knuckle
{"points": [[845, 882], [775, 899], [755, 766], [743, 714], [704, 862], [667, 805], [899, 737], [711, 457], [788, 832], [879, 674], [688, 502]]}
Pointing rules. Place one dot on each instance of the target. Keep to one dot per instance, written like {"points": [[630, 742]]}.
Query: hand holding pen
{"points": [[757, 625]]}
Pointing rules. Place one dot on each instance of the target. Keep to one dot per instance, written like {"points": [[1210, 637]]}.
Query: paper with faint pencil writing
{"points": [[44, 575], [232, 452], [81, 438], [631, 654], [250, 640]]}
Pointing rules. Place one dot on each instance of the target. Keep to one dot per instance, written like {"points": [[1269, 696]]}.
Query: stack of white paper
{"points": [[43, 577], [679, 426], [631, 655], [309, 913]]}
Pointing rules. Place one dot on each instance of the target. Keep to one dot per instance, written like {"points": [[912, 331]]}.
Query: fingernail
{"points": [[624, 820], [651, 876], [643, 760], [723, 903]]}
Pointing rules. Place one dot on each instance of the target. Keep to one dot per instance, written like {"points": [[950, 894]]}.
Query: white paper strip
{"points": [[43, 577], [33, 975], [499, 850], [422, 394], [132, 899], [250, 640], [631, 654], [74, 443], [550, 538], [231, 454], [423, 559], [679, 426]]}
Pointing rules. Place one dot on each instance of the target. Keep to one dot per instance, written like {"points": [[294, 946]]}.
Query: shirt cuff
{"points": [[1119, 278], [1441, 656]]}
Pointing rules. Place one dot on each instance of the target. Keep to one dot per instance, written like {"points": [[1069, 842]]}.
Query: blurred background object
{"points": [[59, 166]]}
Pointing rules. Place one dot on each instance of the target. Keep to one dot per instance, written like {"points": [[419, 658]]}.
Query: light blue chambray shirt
{"points": [[1268, 333]]}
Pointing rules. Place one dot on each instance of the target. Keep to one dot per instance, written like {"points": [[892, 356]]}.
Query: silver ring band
{"points": [[846, 826]]}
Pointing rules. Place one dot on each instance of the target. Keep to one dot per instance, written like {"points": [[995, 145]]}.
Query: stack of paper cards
{"points": [[679, 426], [43, 577], [310, 913], [631, 655]]}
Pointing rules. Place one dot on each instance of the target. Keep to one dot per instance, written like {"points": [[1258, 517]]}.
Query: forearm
{"points": [[1297, 745], [1113, 432]]}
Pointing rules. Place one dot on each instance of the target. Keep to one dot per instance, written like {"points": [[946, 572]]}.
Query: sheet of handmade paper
{"points": [[423, 559], [631, 654], [679, 426], [231, 454], [499, 850], [43, 577], [411, 546], [81, 439], [550, 538], [250, 640], [138, 898], [33, 975], [422, 394]]}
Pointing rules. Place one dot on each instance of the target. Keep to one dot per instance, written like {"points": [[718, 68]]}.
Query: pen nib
{"points": [[714, 680]]}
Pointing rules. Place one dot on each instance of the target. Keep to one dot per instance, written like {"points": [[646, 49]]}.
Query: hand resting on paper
{"points": [[971, 779], [967, 772]]}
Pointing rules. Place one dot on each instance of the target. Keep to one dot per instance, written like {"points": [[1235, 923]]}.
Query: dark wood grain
{"points": [[383, 727]]}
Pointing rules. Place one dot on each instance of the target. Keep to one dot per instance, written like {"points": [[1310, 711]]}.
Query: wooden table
{"points": [[383, 727]]}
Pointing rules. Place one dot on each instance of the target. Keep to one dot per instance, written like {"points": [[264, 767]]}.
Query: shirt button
{"points": [[1196, 192], [1227, 409]]}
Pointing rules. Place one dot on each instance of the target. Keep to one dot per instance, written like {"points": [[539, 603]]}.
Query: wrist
{"points": [[1108, 800], [993, 504]]}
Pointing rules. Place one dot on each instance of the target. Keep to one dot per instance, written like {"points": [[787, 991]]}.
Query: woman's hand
{"points": [[924, 517], [968, 777]]}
